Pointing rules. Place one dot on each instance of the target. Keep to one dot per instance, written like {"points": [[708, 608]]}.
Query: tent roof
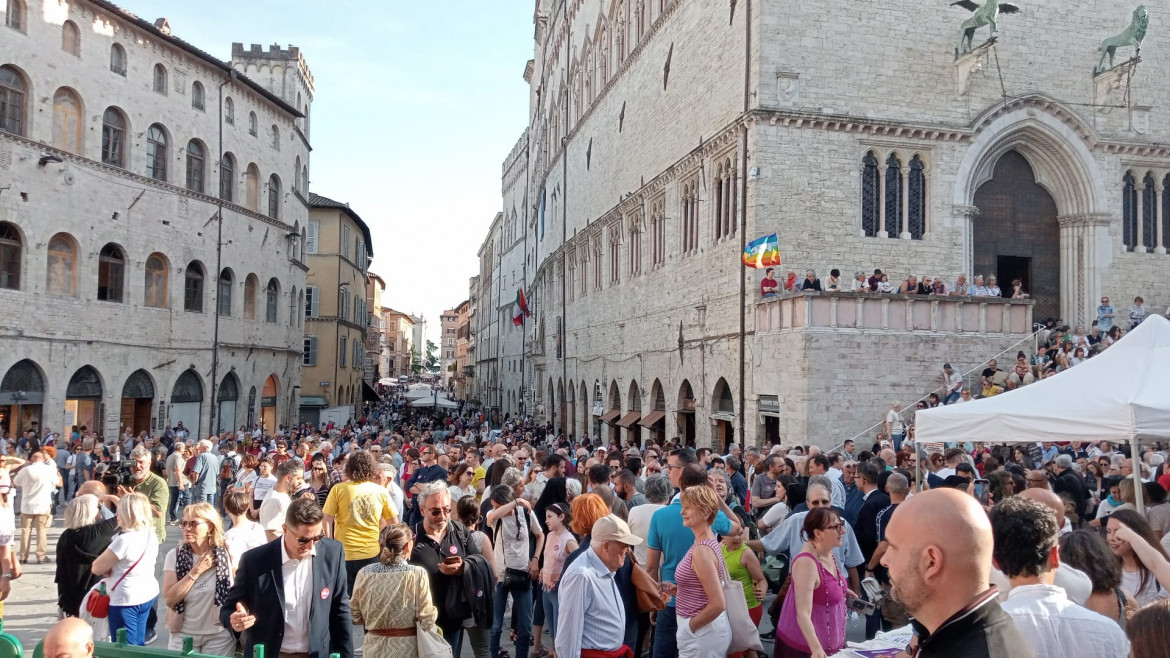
{"points": [[441, 402], [1116, 396]]}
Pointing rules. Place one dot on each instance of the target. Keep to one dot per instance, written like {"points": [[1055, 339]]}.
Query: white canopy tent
{"points": [[1120, 395], [438, 403], [421, 392]]}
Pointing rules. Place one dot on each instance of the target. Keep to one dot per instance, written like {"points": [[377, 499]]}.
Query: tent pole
{"points": [[917, 467], [1138, 490]]}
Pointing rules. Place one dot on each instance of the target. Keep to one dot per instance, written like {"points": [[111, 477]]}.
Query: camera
{"points": [[117, 474]]}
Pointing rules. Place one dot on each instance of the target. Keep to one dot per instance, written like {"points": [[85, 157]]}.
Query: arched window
{"points": [[1129, 218], [71, 38], [193, 288], [870, 195], [12, 95], [893, 196], [160, 79], [1166, 212], [274, 196], [114, 137], [295, 302], [229, 111], [916, 204], [155, 289], [224, 297], [111, 273], [61, 277], [10, 252], [15, 14], [118, 59], [1149, 212], [305, 180], [196, 161], [250, 283], [297, 185], [67, 120], [197, 100], [275, 137], [156, 152], [271, 299], [252, 124], [252, 187]]}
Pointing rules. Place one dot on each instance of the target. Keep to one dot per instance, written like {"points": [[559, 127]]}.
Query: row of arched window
{"points": [[61, 278], [1142, 207], [893, 196], [69, 131]]}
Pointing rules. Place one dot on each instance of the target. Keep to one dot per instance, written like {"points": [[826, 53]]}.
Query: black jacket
{"points": [[76, 550], [260, 586], [866, 527], [1071, 484], [473, 599], [981, 630]]}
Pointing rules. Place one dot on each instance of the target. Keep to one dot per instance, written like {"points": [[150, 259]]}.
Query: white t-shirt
{"points": [[897, 426], [1131, 581], [140, 585], [775, 515], [244, 537], [640, 519], [512, 540], [200, 613], [261, 486], [36, 482], [272, 511]]}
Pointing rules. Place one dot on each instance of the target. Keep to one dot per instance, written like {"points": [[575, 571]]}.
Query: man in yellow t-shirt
{"points": [[479, 480], [356, 511]]}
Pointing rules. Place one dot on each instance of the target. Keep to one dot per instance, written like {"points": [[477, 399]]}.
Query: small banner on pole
{"points": [[764, 252]]}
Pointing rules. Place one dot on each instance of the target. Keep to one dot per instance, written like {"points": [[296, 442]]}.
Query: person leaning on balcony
{"points": [[769, 284], [960, 288], [860, 284], [811, 282], [977, 289], [909, 286]]}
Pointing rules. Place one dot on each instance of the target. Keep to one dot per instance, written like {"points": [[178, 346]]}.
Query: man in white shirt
{"points": [[290, 475], [597, 618], [953, 383], [895, 427], [1027, 550], [36, 480]]}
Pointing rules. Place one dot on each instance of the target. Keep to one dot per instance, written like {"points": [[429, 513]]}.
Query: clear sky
{"points": [[416, 106]]}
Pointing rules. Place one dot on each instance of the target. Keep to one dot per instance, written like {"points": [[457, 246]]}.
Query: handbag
{"points": [[645, 589], [516, 580], [744, 634], [97, 603], [430, 642]]}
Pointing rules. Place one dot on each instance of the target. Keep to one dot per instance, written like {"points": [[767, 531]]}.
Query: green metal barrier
{"points": [[9, 646], [119, 649]]}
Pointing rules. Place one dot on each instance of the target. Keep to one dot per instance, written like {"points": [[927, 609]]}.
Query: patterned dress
{"points": [[394, 596]]}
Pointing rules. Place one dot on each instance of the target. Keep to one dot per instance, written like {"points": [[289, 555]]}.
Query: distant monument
{"points": [[985, 14], [1131, 36]]}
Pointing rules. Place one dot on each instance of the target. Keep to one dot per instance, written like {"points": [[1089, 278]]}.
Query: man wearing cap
{"points": [[594, 626], [953, 382]]}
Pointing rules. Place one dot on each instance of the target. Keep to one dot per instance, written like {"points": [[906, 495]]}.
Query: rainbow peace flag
{"points": [[764, 252]]}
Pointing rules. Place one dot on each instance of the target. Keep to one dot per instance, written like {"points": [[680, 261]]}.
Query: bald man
{"points": [[939, 557], [1075, 583], [69, 638]]}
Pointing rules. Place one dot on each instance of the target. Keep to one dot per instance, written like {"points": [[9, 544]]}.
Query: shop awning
{"points": [[629, 419], [609, 416], [652, 418], [314, 401], [368, 393]]}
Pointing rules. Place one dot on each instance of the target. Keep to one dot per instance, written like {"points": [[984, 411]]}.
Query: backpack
{"points": [[229, 468]]}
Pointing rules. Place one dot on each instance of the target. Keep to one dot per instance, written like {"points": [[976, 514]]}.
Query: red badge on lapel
{"points": [[324, 593], [454, 550]]}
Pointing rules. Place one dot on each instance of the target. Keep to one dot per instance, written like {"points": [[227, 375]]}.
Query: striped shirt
{"points": [[691, 597]]}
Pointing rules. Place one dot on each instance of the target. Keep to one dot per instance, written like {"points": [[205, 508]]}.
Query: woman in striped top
{"points": [[703, 628]]}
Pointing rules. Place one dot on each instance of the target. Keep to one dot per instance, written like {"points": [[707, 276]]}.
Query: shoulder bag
{"points": [[645, 589], [97, 604], [744, 634]]}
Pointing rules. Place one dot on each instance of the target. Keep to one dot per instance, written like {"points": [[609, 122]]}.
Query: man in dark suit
{"points": [[873, 502], [1070, 484], [290, 594]]}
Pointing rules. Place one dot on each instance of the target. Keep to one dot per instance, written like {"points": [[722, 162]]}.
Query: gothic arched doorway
{"points": [[1017, 236]]}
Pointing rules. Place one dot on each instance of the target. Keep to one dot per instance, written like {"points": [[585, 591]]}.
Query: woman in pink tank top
{"points": [[812, 621]]}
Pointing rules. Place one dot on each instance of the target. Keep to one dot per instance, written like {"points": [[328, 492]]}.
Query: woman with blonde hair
{"points": [[129, 565], [196, 578], [391, 596], [699, 601], [86, 535]]}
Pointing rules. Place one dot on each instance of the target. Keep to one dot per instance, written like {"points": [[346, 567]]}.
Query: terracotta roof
{"points": [[179, 43], [318, 201]]}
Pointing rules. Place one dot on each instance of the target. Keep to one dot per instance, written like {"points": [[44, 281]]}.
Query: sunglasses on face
{"points": [[439, 511], [303, 541], [190, 524]]}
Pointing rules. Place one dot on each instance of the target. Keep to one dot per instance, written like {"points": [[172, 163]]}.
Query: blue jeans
{"points": [[952, 398], [208, 498], [897, 438], [551, 606], [133, 619], [521, 611], [176, 504], [665, 644]]}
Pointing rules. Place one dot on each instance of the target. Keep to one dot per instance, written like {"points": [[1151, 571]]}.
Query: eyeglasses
{"points": [[838, 526], [439, 511], [310, 540], [190, 524]]}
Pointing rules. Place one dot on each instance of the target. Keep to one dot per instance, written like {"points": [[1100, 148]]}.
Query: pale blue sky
{"points": [[416, 106]]}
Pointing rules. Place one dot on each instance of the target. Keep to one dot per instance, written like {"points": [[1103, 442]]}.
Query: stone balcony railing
{"points": [[888, 312]]}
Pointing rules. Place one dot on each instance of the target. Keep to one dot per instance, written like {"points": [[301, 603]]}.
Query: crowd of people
{"points": [[410, 530]]}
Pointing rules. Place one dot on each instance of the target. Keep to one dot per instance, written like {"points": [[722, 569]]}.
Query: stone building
{"points": [[398, 346], [462, 332], [665, 134], [448, 328], [375, 288], [152, 209], [338, 251], [467, 368]]}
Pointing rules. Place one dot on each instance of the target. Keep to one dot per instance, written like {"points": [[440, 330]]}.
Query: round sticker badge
{"points": [[453, 550], [324, 593]]}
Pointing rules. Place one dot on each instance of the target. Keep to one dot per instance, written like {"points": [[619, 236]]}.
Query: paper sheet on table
{"points": [[884, 645]]}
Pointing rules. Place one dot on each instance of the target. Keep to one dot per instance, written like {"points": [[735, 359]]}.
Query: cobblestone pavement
{"points": [[31, 609]]}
